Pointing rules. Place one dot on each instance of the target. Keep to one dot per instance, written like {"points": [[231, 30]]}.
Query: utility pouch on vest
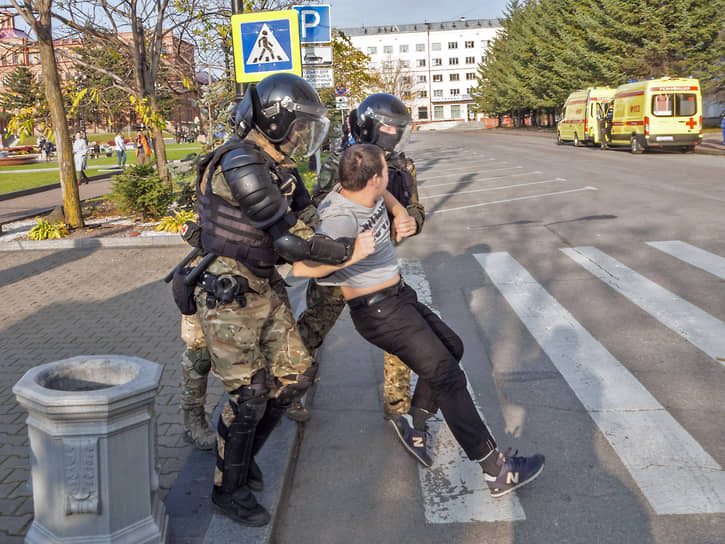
{"points": [[183, 293]]}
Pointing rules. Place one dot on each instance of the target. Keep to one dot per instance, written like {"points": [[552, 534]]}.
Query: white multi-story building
{"points": [[436, 64]]}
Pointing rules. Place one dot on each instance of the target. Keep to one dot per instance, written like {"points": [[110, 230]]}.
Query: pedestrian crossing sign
{"points": [[266, 43]]}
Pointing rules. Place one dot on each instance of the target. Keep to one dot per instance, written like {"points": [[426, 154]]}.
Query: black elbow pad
{"points": [[320, 248], [329, 251]]}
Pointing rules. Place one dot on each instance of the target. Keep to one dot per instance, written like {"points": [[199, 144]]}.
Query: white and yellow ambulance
{"points": [[581, 116], [657, 113]]}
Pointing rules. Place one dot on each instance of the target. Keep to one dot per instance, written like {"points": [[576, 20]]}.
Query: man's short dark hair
{"points": [[359, 163]]}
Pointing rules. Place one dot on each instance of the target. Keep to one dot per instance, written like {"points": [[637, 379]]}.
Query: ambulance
{"points": [[581, 116], [656, 114]]}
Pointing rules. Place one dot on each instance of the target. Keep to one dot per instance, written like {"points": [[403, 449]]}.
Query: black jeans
{"points": [[399, 324]]}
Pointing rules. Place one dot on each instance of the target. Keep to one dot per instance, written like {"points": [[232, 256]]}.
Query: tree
{"points": [[352, 68], [37, 15], [22, 90]]}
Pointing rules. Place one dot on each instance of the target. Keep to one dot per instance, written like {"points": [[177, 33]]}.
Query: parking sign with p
{"points": [[315, 24]]}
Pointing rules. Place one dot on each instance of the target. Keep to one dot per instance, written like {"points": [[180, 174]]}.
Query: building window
{"points": [[485, 43], [5, 61], [454, 77], [437, 112], [470, 60], [403, 48], [372, 50], [423, 112], [406, 95], [388, 65], [437, 92], [452, 45], [405, 64], [437, 77], [420, 62], [455, 92], [470, 75], [420, 47], [15, 59], [453, 60], [388, 49], [405, 80], [435, 46], [422, 94], [455, 111], [469, 45], [421, 79], [437, 62]]}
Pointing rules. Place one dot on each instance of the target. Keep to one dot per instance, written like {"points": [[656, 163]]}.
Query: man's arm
{"points": [[403, 224], [364, 246]]}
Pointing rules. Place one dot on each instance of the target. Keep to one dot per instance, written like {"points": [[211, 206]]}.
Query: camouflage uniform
{"points": [[325, 304], [244, 340], [195, 365]]}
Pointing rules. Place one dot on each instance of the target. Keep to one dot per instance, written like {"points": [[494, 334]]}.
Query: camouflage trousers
{"points": [[324, 306], [242, 340]]}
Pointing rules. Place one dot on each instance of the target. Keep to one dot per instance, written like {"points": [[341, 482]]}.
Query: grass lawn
{"points": [[15, 178]]}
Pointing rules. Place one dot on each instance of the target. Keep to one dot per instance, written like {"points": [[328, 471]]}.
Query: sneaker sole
{"points": [[508, 490], [405, 445]]}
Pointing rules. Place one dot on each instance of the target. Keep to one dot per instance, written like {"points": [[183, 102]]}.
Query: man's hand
{"points": [[364, 246], [403, 226]]}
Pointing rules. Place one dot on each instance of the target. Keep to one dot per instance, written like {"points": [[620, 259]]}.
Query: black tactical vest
{"points": [[226, 229]]}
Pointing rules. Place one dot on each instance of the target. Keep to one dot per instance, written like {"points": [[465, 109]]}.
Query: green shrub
{"points": [[139, 190], [45, 231]]}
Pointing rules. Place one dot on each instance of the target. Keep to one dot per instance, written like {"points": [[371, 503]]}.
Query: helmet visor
{"points": [[305, 136], [392, 137]]}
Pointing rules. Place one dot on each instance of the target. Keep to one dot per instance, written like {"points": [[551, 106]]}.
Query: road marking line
{"points": [[476, 180], [588, 188], [674, 473], [453, 489], [709, 262], [450, 172], [693, 324], [495, 188]]}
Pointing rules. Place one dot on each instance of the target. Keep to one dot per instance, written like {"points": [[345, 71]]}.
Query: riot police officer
{"points": [[383, 120], [245, 189]]}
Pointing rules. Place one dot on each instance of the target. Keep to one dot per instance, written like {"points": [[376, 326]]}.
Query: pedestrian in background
{"points": [[120, 149], [80, 153], [143, 149], [722, 124]]}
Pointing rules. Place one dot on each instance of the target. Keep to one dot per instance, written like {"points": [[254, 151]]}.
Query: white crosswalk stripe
{"points": [[454, 490], [709, 262], [695, 325], [674, 473]]}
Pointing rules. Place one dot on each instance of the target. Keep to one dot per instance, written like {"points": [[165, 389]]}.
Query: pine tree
{"points": [[22, 90]]}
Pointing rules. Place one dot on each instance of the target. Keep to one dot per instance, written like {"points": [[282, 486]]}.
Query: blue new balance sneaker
{"points": [[515, 472], [414, 441]]}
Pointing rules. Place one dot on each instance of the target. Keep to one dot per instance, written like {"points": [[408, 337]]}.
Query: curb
{"points": [[161, 240]]}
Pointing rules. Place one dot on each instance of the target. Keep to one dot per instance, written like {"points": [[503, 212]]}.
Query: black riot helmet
{"points": [[383, 120], [287, 111]]}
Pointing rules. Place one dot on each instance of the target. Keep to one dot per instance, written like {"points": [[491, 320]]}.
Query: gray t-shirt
{"points": [[341, 217]]}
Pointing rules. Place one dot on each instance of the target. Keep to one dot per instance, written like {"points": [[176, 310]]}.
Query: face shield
{"points": [[307, 131], [392, 137], [305, 136]]}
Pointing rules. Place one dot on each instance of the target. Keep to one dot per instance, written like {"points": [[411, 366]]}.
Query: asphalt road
{"points": [[588, 338]]}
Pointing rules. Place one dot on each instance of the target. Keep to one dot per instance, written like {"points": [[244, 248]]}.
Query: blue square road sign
{"points": [[315, 24]]}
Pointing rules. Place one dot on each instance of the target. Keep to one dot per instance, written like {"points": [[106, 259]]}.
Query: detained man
{"points": [[386, 312]]}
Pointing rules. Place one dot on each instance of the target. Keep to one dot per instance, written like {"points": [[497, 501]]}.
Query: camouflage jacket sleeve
{"points": [[414, 207], [327, 178]]}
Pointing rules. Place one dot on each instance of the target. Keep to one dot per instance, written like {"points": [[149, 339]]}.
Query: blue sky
{"points": [[355, 13]]}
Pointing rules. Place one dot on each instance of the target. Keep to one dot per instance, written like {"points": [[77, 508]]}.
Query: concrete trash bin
{"points": [[93, 450]]}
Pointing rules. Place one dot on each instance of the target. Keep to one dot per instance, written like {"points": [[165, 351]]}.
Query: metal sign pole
{"points": [[237, 8]]}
